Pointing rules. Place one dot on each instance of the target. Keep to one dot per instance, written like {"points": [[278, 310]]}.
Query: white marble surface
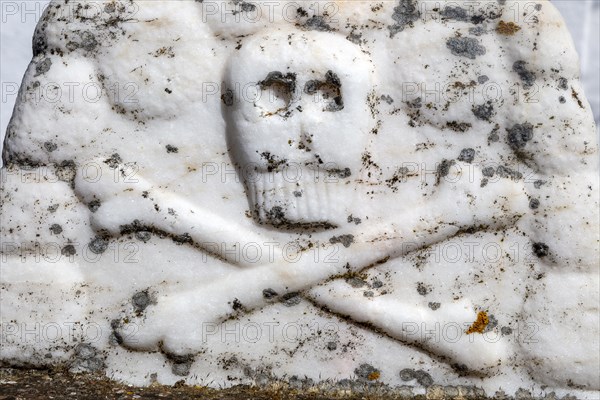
{"points": [[376, 211], [20, 18]]}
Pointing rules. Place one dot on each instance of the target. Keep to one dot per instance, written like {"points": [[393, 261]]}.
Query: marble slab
{"points": [[361, 194]]}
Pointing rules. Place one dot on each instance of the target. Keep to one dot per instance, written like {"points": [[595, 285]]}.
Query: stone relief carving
{"points": [[317, 178]]}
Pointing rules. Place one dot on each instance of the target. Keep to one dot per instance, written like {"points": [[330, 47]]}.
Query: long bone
{"points": [[211, 302]]}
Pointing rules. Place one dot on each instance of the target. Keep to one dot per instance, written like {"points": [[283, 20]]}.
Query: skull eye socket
{"points": [[276, 93], [327, 92]]}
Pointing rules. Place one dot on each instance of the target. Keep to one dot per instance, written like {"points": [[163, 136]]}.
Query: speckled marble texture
{"points": [[399, 193]]}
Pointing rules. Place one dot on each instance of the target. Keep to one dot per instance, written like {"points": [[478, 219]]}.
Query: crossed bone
{"points": [[175, 321]]}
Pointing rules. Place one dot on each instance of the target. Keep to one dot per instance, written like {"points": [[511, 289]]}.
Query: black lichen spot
{"points": [[183, 239], [356, 282], [443, 169], [460, 369], [237, 305], [377, 284], [43, 66], [88, 41], [519, 135], [141, 300], [538, 184], [492, 323], [345, 240], [465, 47], [354, 220], [311, 86], [227, 97], [434, 305], [143, 236], [488, 171], [53, 208], [541, 249], [562, 100], [171, 149], [416, 103], [291, 299], [407, 374], [86, 359], [405, 14], [113, 161], [423, 289], [247, 7], [331, 346], [98, 245], [527, 76], [317, 23], [276, 216], [534, 204], [332, 78], [181, 369], [40, 44], [563, 83], [458, 126], [484, 111], [506, 330], [354, 37], [269, 294], [340, 173], [387, 99], [50, 146], [482, 79], [169, 91], [505, 172], [455, 13], [368, 293], [181, 364], [274, 163], [56, 229], [366, 372], [478, 19], [493, 137], [68, 250], [423, 378], [94, 205], [467, 155], [72, 46]]}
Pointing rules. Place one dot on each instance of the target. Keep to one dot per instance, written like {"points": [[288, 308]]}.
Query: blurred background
{"points": [[19, 18]]}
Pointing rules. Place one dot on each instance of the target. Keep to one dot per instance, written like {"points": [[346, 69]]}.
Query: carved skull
{"points": [[298, 120]]}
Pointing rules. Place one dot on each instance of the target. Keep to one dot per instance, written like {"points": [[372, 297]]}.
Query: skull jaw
{"points": [[305, 199]]}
